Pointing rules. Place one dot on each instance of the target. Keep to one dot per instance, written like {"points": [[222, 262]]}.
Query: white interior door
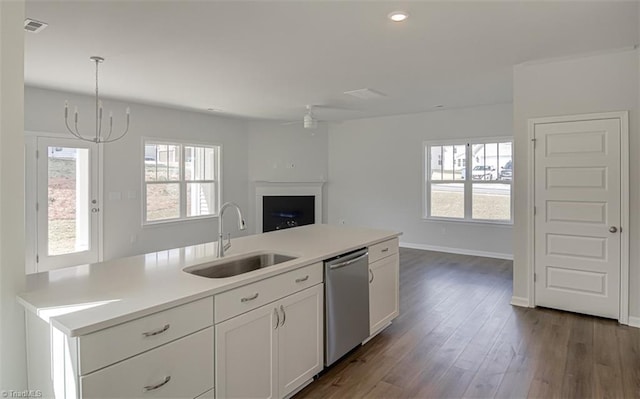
{"points": [[67, 207], [578, 216]]}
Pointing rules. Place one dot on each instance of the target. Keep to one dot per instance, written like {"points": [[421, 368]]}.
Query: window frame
{"points": [[467, 183], [182, 182]]}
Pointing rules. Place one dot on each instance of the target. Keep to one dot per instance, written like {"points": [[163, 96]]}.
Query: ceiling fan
{"points": [[309, 120]]}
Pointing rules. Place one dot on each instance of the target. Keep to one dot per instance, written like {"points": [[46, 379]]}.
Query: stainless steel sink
{"points": [[232, 267]]}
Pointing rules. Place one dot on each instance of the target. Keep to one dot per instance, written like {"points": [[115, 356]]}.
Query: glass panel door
{"points": [[67, 203]]}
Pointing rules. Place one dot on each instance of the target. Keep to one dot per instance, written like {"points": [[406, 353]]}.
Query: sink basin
{"points": [[222, 268]]}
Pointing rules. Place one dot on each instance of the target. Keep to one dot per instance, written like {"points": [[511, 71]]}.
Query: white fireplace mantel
{"points": [[268, 188]]}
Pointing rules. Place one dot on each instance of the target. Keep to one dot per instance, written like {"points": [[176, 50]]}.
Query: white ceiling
{"points": [[267, 59]]}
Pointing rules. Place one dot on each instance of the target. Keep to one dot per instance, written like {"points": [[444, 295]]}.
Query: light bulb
{"points": [[398, 16]]}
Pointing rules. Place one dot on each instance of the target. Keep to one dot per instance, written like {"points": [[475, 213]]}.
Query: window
{"points": [[485, 196], [181, 181]]}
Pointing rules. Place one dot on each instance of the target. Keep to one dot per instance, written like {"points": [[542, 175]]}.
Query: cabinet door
{"points": [[383, 292], [300, 338], [246, 350]]}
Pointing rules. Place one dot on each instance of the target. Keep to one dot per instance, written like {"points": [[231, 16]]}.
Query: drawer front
{"points": [[383, 249], [113, 344], [251, 296], [180, 369]]}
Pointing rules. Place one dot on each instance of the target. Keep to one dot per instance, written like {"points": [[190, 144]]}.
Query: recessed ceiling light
{"points": [[438, 106], [398, 16]]}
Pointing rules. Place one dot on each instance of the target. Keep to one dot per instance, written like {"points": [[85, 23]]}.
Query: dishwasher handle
{"points": [[348, 262]]}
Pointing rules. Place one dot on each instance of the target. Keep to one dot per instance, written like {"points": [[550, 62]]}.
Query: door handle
{"points": [[350, 261], [284, 315], [613, 229], [372, 276]]}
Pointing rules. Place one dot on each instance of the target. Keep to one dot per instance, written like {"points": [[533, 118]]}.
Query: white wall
{"points": [[375, 176], [13, 371], [287, 153], [597, 83], [123, 163]]}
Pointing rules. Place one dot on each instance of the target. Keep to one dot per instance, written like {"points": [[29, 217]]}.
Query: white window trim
{"points": [[468, 183], [182, 182]]}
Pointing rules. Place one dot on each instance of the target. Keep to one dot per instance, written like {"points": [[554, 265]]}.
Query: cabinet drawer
{"points": [[251, 296], [383, 249], [180, 369], [105, 347]]}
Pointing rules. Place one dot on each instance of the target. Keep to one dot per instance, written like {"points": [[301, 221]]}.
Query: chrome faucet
{"points": [[241, 225]]}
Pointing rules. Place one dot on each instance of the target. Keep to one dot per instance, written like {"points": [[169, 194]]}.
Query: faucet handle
{"points": [[228, 244]]}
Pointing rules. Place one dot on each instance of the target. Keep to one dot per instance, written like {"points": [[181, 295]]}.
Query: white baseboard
{"points": [[520, 301], [634, 321], [459, 251]]}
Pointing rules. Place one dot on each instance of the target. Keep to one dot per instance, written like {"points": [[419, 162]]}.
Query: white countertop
{"points": [[84, 299]]}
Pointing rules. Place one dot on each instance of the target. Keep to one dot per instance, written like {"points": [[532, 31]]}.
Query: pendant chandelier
{"points": [[99, 137]]}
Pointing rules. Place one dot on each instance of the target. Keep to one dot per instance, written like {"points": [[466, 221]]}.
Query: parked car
{"points": [[506, 172], [483, 172]]}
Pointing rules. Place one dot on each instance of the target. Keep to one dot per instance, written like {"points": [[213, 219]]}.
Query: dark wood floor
{"points": [[458, 336]]}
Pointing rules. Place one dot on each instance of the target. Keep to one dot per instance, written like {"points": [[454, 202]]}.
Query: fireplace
{"points": [[285, 211], [280, 205]]}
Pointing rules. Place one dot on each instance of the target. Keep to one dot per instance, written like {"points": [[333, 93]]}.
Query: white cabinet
{"points": [[383, 285], [300, 339], [180, 369], [164, 354], [97, 350], [271, 351]]}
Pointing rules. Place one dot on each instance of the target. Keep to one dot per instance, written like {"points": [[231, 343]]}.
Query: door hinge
{"points": [[534, 211], [534, 142], [37, 258], [535, 277], [37, 154], [37, 207]]}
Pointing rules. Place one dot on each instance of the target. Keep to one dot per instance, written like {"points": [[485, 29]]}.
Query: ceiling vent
{"points": [[31, 25], [365, 94]]}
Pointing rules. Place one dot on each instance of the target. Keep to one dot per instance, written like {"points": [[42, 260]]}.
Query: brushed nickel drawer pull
{"points": [[249, 298], [275, 310], [161, 384], [385, 250], [303, 279], [372, 277], [156, 332]]}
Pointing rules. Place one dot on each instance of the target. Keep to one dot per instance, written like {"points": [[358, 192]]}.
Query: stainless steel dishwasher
{"points": [[346, 311]]}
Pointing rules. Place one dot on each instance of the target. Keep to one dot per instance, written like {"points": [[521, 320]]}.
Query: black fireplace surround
{"points": [[286, 211]]}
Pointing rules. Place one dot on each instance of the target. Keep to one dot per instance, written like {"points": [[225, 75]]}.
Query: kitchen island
{"points": [[141, 326]]}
